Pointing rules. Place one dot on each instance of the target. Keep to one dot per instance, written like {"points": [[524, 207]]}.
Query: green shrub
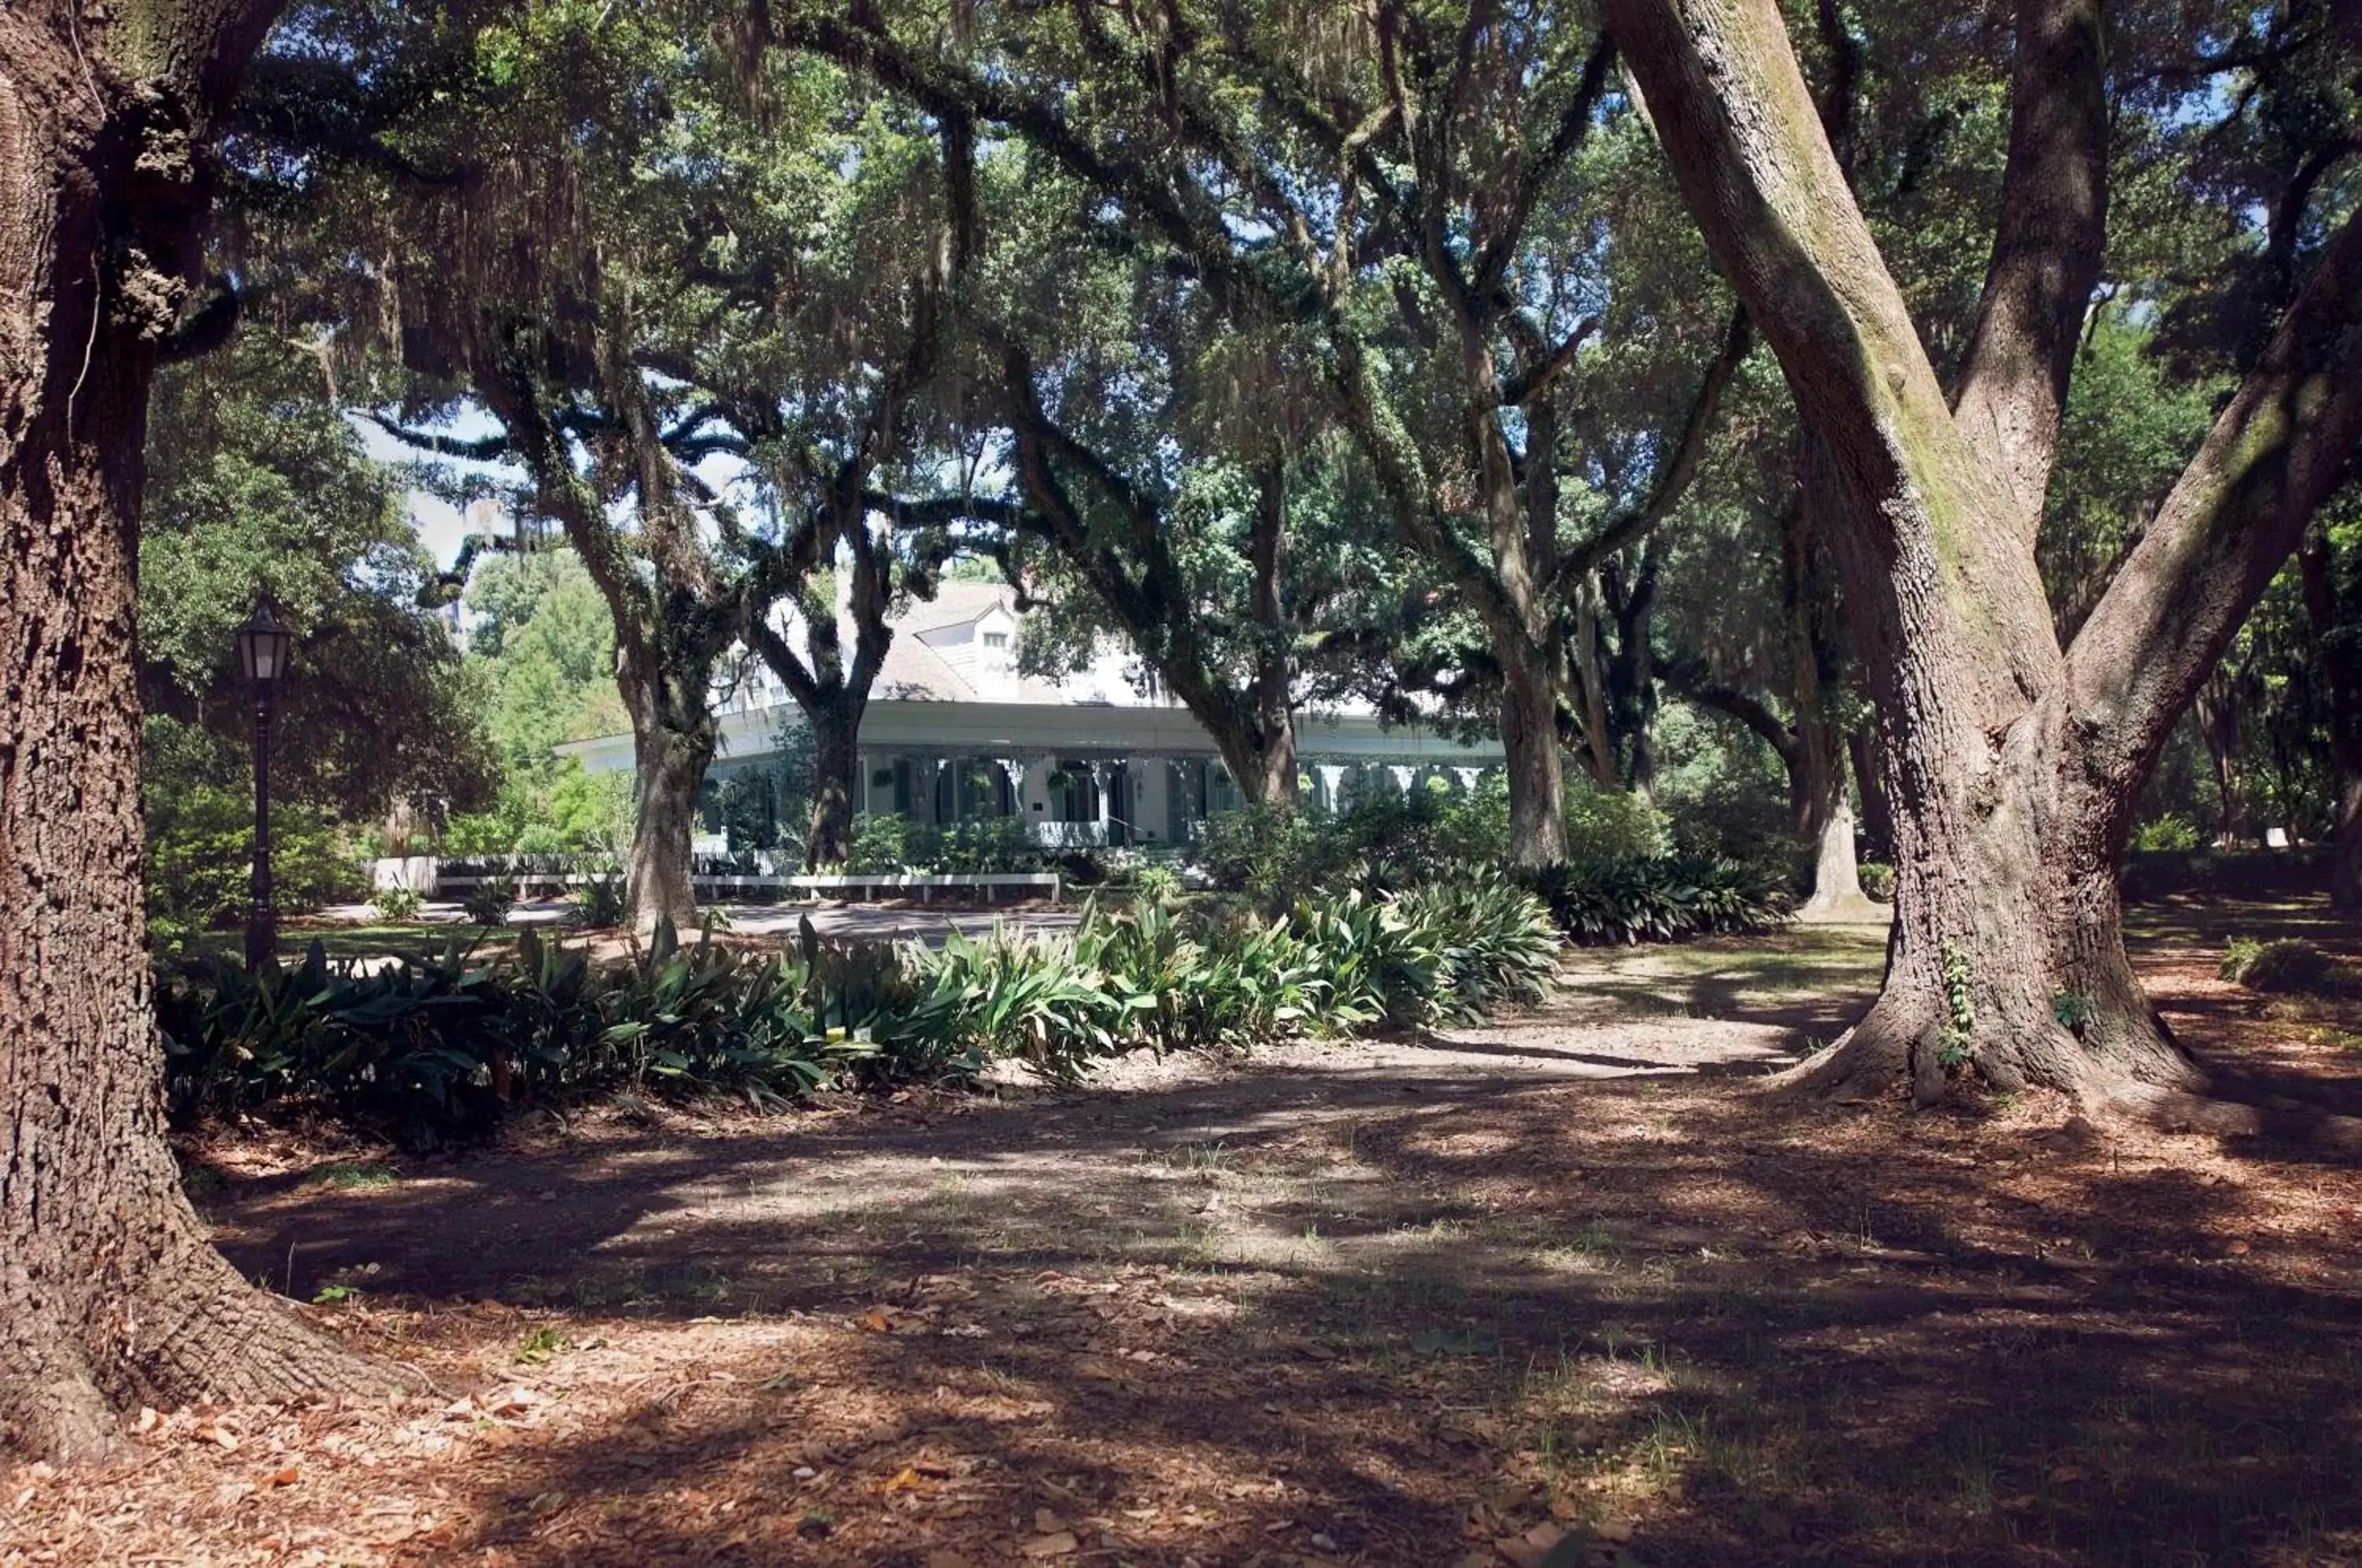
{"points": [[199, 862], [1877, 881], [880, 845], [489, 903], [1156, 881], [1665, 899], [1013, 994], [440, 1046], [2288, 967], [2171, 832], [601, 901], [886, 843], [443, 1045], [1496, 942], [397, 905], [988, 845], [1263, 851], [1611, 827]]}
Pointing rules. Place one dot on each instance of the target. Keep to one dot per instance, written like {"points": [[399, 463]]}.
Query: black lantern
{"points": [[264, 647]]}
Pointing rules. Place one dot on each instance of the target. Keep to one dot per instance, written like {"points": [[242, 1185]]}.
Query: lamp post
{"points": [[263, 647]]}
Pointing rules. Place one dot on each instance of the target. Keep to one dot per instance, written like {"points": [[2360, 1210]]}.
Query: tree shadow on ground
{"points": [[1747, 1331], [1409, 1312]]}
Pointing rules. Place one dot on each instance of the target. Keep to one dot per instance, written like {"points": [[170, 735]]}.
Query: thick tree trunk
{"points": [[1536, 771], [671, 751], [836, 782], [2008, 958], [2012, 763], [110, 1294]]}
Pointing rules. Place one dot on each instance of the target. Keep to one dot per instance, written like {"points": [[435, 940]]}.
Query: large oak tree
{"points": [[110, 1294], [2013, 759]]}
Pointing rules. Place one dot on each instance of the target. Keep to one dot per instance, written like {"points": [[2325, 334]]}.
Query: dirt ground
{"points": [[1570, 1289]]}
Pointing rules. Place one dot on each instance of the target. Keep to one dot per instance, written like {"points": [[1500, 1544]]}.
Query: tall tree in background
{"points": [[110, 1294], [2014, 761], [256, 484], [1171, 482], [1410, 189]]}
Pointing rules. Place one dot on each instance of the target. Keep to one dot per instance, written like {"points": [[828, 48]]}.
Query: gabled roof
{"points": [[913, 672], [956, 604]]}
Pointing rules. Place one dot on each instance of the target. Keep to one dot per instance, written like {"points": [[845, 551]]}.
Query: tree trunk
{"points": [[1827, 824], [2338, 649], [1268, 777], [671, 750], [836, 782], [1877, 819], [110, 1294], [1536, 771]]}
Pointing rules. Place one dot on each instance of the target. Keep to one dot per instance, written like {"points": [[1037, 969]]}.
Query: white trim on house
{"points": [[1088, 760]]}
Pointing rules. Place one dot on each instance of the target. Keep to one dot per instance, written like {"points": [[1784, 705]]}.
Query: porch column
{"points": [[1402, 776], [1100, 774], [1468, 777], [925, 768]]}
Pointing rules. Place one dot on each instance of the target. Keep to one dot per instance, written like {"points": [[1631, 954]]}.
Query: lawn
{"points": [[1570, 1288]]}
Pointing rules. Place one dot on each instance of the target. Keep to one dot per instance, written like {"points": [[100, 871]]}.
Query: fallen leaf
{"points": [[876, 1320], [1058, 1545], [2067, 1472], [1047, 1522], [286, 1477], [147, 1420], [904, 1480]]}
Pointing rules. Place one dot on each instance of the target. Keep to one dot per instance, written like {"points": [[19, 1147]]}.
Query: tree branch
{"points": [[2046, 251]]}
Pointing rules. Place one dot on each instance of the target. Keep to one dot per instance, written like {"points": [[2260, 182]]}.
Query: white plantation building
{"points": [[955, 733]]}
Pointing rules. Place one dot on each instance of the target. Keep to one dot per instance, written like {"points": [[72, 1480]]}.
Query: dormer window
{"points": [[995, 640]]}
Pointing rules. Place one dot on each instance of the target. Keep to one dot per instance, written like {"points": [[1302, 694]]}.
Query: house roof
{"points": [[956, 604], [913, 672]]}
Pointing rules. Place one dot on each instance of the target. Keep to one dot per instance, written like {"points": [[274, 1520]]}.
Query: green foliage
{"points": [[1156, 882], [884, 842], [1668, 897], [200, 856], [599, 901], [2289, 967], [489, 903], [443, 1045], [881, 842], [1013, 994], [1260, 850], [396, 904], [2074, 1010], [2169, 833], [1384, 840], [1877, 880], [256, 485], [1613, 827], [1959, 1008]]}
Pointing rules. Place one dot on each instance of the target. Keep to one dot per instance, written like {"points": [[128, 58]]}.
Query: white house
{"points": [[955, 732]]}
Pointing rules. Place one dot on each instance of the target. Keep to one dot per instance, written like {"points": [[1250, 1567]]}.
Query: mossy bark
{"points": [[110, 1294], [2010, 762]]}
